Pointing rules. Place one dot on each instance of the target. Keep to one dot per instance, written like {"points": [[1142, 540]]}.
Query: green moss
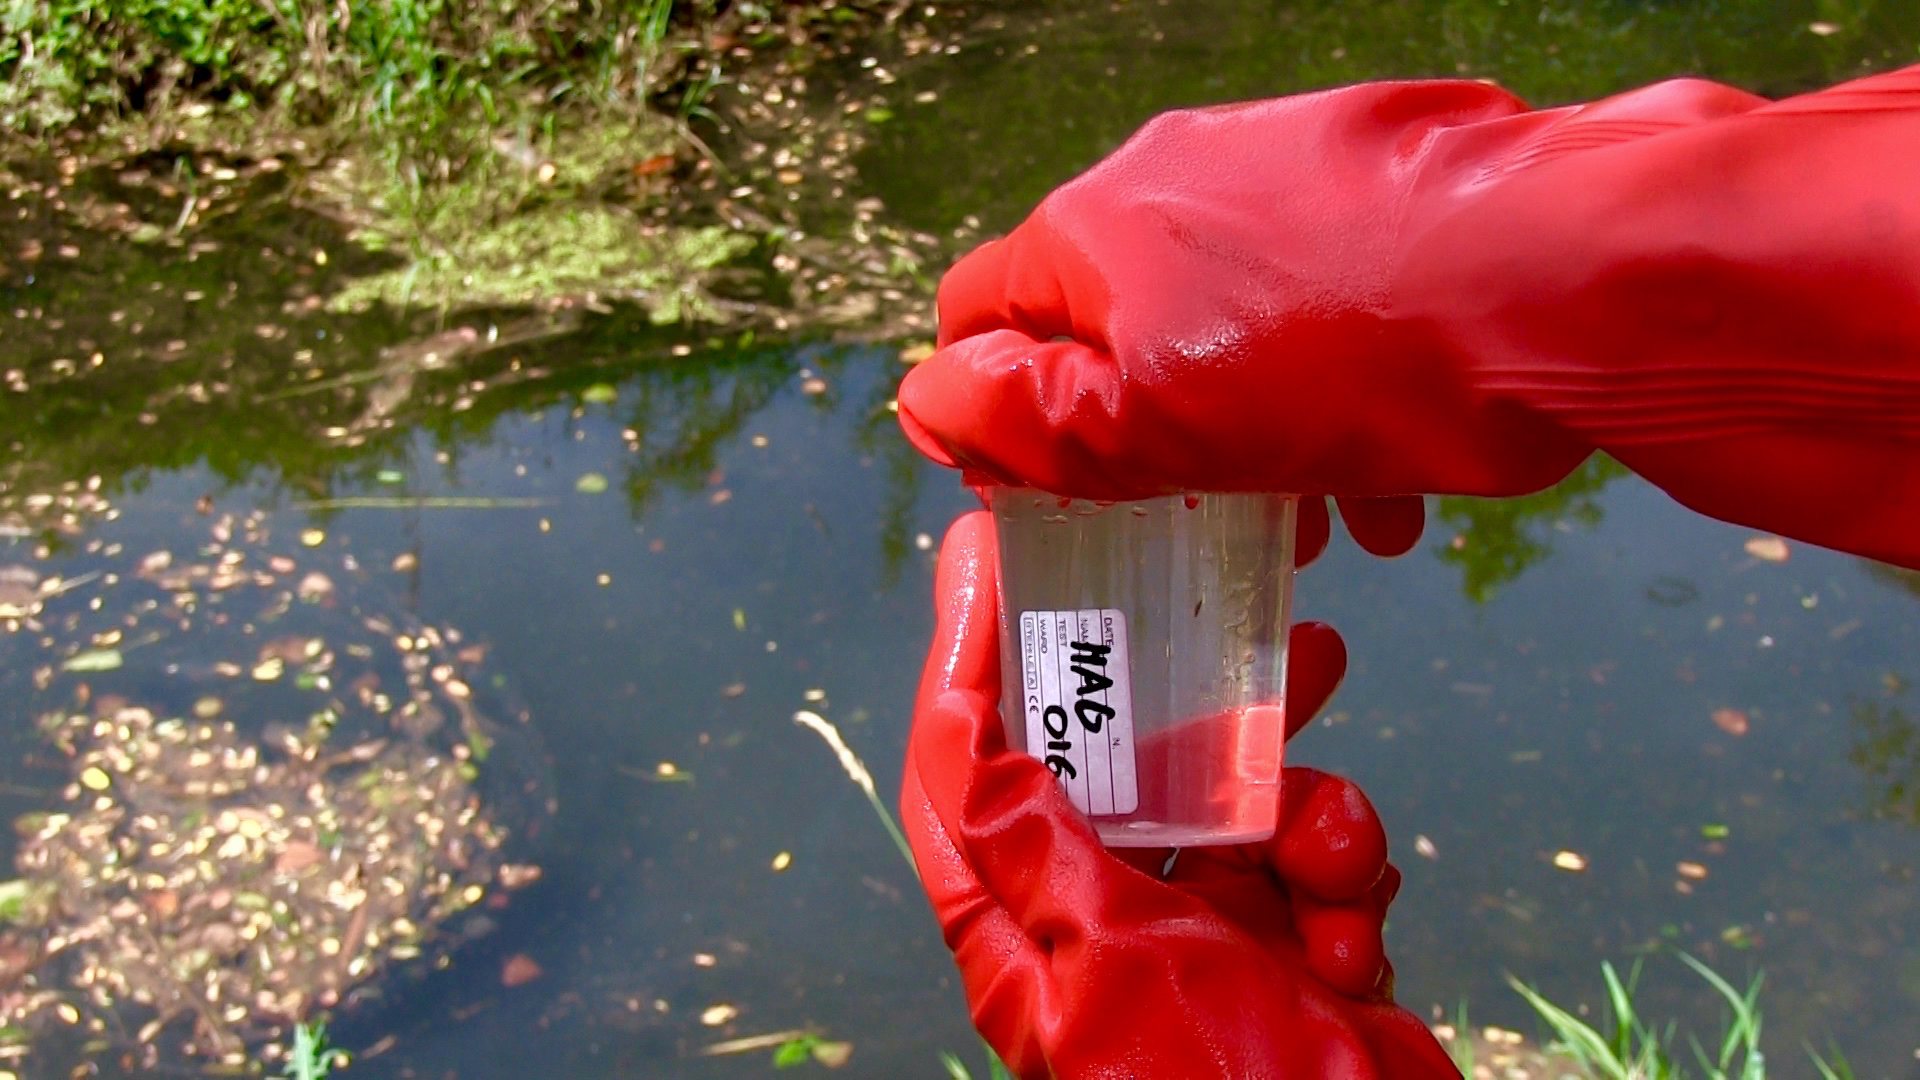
{"points": [[554, 252], [541, 218]]}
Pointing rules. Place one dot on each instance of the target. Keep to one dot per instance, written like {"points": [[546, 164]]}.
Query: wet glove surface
{"points": [[1427, 287], [1251, 961]]}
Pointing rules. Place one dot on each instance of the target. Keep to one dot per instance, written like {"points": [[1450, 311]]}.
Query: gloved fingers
{"points": [[972, 295], [1342, 944], [1385, 526], [1343, 941], [1013, 408], [956, 717], [1316, 662], [1330, 844], [1032, 851], [1386, 889], [966, 640], [1018, 282], [1401, 1044], [956, 723], [1007, 979], [1311, 531]]}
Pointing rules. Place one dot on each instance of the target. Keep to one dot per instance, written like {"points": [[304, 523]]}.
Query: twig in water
{"points": [[752, 1043]]}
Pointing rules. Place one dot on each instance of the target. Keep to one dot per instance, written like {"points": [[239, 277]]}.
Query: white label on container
{"points": [[1079, 705]]}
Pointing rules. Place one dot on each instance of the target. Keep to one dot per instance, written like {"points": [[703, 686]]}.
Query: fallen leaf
{"points": [[832, 1054], [1571, 861], [93, 660], [1731, 721], [518, 875], [653, 166], [519, 970], [296, 856], [1768, 548]]}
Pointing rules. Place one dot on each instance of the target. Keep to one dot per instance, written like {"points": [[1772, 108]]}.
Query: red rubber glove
{"points": [[1425, 287], [1252, 961]]}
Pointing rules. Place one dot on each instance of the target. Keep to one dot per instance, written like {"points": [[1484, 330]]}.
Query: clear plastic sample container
{"points": [[1143, 657]]}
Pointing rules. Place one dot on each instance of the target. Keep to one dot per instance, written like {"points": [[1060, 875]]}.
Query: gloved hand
{"points": [[1252, 961], [1426, 287]]}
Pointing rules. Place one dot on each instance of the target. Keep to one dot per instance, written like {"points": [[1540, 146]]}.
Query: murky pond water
{"points": [[659, 551]]}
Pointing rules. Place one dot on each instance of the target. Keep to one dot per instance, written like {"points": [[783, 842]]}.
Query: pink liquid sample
{"points": [[1210, 781]]}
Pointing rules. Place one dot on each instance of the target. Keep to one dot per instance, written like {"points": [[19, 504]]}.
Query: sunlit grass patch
{"points": [[1627, 1046], [554, 252]]}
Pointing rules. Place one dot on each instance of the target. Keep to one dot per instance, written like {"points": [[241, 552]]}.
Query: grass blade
{"points": [[1838, 1069], [1461, 1050], [1573, 1036], [1743, 1035], [856, 771]]}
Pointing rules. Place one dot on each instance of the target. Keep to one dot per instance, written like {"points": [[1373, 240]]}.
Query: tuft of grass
{"points": [[1627, 1047], [1460, 1049], [310, 1057], [412, 69], [490, 142]]}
